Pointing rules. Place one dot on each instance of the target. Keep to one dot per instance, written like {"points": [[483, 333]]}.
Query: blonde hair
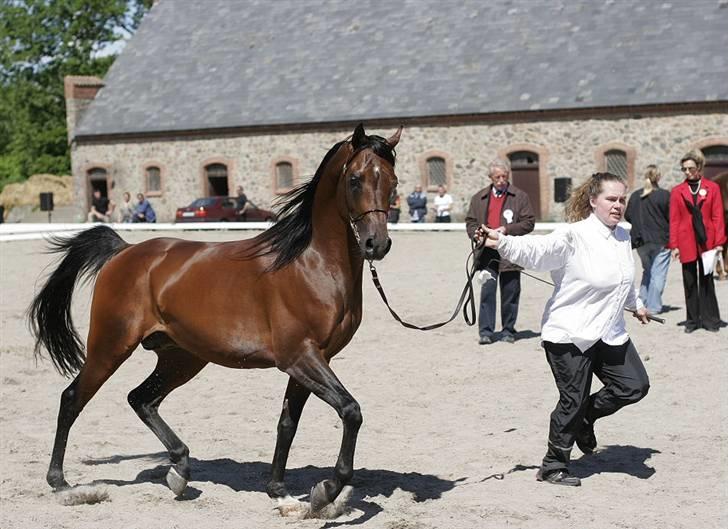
{"points": [[578, 207], [695, 155], [652, 177]]}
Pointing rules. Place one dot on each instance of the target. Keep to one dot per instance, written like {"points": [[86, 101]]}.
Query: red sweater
{"points": [[495, 206], [682, 234]]}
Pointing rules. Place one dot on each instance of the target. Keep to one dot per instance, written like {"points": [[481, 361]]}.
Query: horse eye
{"points": [[355, 181]]}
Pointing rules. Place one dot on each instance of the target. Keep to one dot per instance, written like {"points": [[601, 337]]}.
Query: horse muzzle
{"points": [[375, 248]]}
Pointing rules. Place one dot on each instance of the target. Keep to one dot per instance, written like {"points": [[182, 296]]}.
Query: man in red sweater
{"points": [[504, 207]]}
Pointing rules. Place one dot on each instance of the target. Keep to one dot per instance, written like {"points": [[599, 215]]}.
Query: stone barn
{"points": [[209, 95]]}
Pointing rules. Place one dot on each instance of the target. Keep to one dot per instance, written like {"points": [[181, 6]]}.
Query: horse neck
{"points": [[332, 237]]}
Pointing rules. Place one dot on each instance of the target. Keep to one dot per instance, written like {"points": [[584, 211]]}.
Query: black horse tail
{"points": [[49, 315]]}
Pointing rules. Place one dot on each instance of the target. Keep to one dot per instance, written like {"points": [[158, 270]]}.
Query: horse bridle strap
{"points": [[466, 301], [367, 212]]}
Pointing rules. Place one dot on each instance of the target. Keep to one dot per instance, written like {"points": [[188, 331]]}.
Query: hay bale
{"points": [[26, 193]]}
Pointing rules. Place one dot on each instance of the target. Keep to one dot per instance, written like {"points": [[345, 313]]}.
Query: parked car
{"points": [[221, 209]]}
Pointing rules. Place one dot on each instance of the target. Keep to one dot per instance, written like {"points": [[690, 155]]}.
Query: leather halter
{"points": [[352, 219]]}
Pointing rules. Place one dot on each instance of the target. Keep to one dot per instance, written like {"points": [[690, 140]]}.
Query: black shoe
{"points": [[558, 477], [688, 330], [711, 329], [585, 438], [508, 338], [485, 340]]}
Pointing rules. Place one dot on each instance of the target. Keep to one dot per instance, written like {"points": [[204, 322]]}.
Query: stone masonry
{"points": [[566, 148]]}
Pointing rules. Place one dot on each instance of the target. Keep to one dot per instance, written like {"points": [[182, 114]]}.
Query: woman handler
{"points": [[583, 328]]}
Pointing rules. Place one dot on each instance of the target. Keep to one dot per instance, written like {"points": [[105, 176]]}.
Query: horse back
{"points": [[205, 298]]}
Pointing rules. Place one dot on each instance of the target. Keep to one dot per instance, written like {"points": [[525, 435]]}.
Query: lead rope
{"points": [[467, 298], [466, 302]]}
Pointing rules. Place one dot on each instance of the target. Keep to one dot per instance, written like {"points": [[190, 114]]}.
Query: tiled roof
{"points": [[236, 63]]}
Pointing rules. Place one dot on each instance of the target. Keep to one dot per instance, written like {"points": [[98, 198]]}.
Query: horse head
{"points": [[367, 184]]}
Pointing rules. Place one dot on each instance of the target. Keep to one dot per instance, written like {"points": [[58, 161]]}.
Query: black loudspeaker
{"points": [[562, 189], [46, 201]]}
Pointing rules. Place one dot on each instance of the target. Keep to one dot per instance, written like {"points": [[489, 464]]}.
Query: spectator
{"points": [[417, 202], [241, 201], [722, 266], [507, 209], [696, 230], [126, 209], [648, 211], [143, 211], [443, 203], [583, 329], [100, 208], [395, 209]]}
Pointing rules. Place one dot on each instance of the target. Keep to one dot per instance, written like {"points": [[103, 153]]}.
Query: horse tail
{"points": [[49, 314]]}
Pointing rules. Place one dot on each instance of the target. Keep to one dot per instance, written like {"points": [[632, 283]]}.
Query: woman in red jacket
{"points": [[696, 226]]}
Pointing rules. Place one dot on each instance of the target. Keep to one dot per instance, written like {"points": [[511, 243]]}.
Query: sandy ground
{"points": [[452, 436]]}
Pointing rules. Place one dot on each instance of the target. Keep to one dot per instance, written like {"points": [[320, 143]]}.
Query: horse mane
{"points": [[292, 233]]}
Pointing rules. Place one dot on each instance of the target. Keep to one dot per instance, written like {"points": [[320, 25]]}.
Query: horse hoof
{"points": [[319, 497], [59, 486], [332, 509], [57, 482], [176, 483]]}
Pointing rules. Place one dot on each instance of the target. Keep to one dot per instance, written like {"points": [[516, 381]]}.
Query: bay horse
{"points": [[289, 298]]}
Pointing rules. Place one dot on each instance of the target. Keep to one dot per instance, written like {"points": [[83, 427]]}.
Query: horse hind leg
{"points": [[293, 403], [96, 370], [175, 367]]}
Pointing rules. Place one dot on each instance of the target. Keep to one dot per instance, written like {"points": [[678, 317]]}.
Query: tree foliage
{"points": [[41, 41]]}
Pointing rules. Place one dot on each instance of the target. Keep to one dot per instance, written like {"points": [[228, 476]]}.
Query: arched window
{"points": [[525, 175], [436, 174], [153, 180], [284, 175], [217, 180], [615, 162], [716, 160]]}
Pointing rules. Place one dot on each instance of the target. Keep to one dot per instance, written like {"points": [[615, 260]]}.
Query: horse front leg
{"points": [[293, 403], [314, 373]]}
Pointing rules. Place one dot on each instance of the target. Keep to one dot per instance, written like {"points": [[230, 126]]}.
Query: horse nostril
{"points": [[369, 244]]}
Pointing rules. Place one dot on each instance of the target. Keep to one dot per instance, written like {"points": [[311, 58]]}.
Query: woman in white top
{"points": [[583, 328], [443, 203]]}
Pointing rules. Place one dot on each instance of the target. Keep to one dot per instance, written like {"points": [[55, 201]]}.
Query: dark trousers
{"points": [[510, 293], [445, 218], [701, 304], [625, 381]]}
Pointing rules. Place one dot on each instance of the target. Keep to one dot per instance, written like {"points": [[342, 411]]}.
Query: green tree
{"points": [[41, 41]]}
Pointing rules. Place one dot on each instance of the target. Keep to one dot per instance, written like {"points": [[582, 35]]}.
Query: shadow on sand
{"points": [[620, 459], [253, 476]]}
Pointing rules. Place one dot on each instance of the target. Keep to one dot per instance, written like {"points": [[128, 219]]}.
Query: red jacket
{"points": [[682, 234]]}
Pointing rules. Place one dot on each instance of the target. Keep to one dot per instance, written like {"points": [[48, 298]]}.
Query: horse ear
{"points": [[393, 140], [359, 136]]}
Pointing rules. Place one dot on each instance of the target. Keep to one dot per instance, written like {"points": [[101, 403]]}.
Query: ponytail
{"points": [[578, 207], [652, 176]]}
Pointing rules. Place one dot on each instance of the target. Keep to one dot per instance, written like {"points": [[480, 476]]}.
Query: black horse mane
{"points": [[292, 233]]}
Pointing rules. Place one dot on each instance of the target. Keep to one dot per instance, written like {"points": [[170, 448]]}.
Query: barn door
{"points": [[524, 166]]}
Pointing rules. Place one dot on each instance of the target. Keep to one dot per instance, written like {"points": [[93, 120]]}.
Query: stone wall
{"points": [[566, 149]]}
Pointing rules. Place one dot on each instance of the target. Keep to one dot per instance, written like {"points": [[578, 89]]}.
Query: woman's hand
{"points": [[675, 254], [641, 314]]}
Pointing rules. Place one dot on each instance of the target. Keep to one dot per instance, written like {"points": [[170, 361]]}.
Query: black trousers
{"points": [[701, 304], [625, 381], [510, 293]]}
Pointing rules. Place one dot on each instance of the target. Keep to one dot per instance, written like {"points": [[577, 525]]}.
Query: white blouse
{"points": [[593, 270]]}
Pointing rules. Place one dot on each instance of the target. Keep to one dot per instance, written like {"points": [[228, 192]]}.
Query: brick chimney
{"points": [[79, 91]]}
